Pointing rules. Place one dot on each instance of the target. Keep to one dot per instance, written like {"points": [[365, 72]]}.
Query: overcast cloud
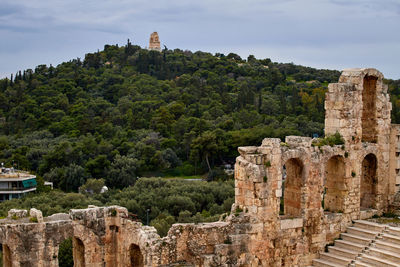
{"points": [[332, 34]]}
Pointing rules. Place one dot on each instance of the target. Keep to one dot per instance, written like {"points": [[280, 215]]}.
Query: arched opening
{"points": [[292, 183], [335, 189], [368, 120], [78, 252], [6, 257], [136, 257], [368, 182], [65, 255]]}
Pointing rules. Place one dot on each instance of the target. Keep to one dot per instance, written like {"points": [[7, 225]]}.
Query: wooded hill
{"points": [[125, 112]]}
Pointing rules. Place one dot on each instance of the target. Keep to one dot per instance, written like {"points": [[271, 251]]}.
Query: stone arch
{"points": [[335, 189], [7, 259], [292, 184], [368, 119], [78, 252], [135, 256], [368, 182]]}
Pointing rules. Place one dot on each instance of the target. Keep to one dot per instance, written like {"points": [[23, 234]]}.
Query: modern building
{"points": [[15, 183]]}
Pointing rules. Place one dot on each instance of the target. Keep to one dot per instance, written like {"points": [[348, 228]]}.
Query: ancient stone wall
{"points": [[291, 199]]}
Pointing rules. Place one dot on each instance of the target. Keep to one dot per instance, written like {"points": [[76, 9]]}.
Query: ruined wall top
{"points": [[355, 76], [358, 74], [358, 107]]}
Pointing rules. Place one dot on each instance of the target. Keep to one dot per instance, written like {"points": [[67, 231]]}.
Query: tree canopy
{"points": [[127, 112]]}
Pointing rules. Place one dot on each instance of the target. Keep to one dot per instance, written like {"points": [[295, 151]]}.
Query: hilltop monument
{"points": [[154, 43]]}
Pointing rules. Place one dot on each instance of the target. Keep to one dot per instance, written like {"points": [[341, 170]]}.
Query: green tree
{"points": [[65, 258]]}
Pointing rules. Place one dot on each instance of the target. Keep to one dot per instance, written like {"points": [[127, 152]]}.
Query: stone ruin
{"points": [[154, 43], [292, 198]]}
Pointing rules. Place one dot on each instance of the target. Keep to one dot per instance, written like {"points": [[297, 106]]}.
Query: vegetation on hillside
{"points": [[126, 112], [165, 201]]}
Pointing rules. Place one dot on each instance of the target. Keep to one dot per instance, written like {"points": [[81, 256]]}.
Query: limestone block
{"points": [[35, 213], [243, 150], [297, 141], [318, 238], [16, 213], [271, 142], [291, 223]]}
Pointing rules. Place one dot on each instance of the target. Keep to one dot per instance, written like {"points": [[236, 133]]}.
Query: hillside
{"points": [[125, 112]]}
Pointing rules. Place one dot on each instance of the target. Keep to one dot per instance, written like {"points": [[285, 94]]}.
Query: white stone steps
{"points": [[349, 245], [391, 238], [365, 244], [384, 254], [362, 232], [380, 244], [356, 239], [375, 261], [343, 252], [335, 258], [394, 231], [324, 263], [361, 264], [369, 225]]}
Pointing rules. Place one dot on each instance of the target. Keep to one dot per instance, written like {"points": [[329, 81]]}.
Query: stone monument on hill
{"points": [[154, 43]]}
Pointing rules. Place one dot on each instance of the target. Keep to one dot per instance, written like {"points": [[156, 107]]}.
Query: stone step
{"points": [[324, 263], [391, 238], [383, 254], [361, 264], [349, 245], [375, 261], [343, 252], [362, 232], [335, 258], [380, 244], [356, 239], [393, 231], [369, 225]]}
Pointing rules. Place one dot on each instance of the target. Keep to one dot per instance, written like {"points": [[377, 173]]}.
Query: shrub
{"points": [[330, 140]]}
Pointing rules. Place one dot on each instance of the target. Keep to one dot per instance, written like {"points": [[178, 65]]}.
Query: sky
{"points": [[332, 34]]}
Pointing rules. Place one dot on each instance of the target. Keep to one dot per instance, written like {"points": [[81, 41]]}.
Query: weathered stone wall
{"points": [[291, 199], [31, 243]]}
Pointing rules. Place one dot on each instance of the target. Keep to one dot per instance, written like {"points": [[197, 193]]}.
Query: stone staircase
{"points": [[365, 244]]}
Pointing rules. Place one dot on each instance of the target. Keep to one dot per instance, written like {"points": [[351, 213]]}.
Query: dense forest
{"points": [[125, 112]]}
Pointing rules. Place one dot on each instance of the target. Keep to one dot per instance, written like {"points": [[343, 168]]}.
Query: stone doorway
{"points": [[335, 188], [368, 182], [136, 256], [78, 252], [292, 183], [368, 119]]}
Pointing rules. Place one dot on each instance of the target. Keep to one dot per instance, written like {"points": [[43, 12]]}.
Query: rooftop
{"points": [[12, 173]]}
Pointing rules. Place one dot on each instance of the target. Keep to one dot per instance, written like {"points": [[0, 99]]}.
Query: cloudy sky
{"points": [[334, 34]]}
